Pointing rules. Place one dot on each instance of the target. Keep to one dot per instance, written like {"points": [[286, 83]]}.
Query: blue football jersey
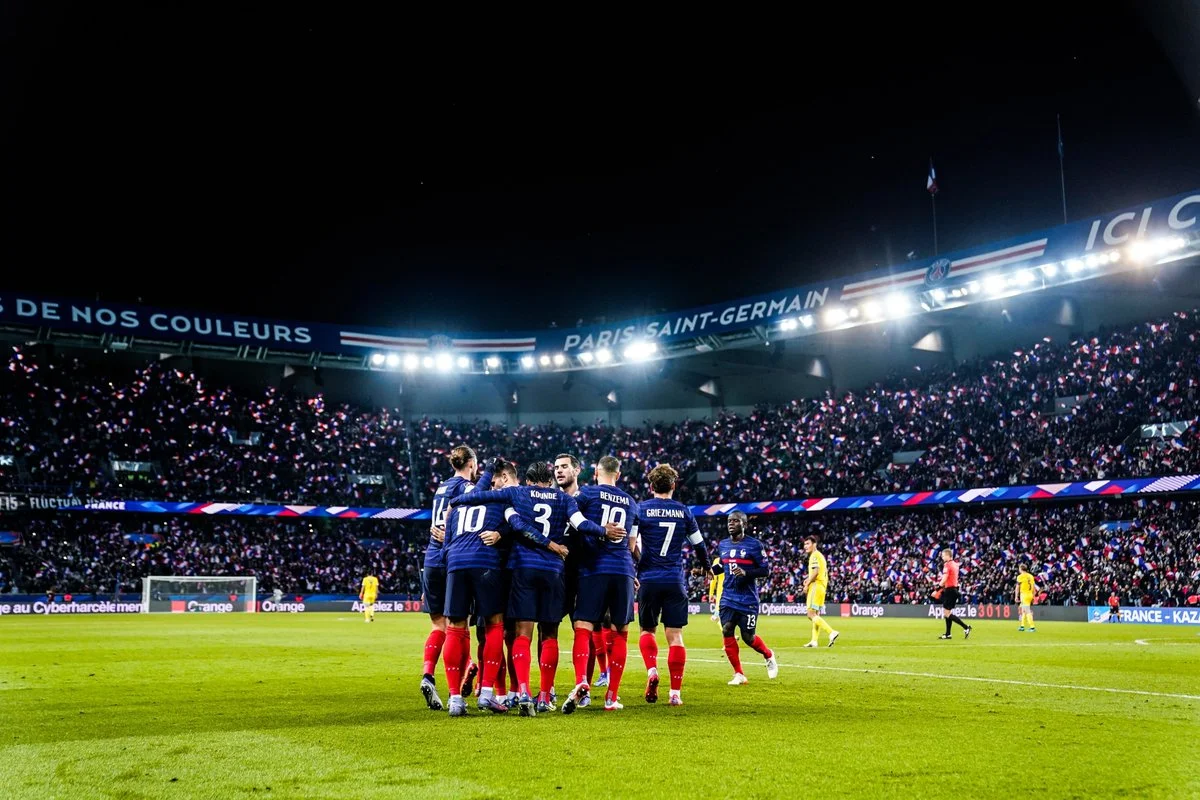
{"points": [[602, 505], [663, 526], [435, 552], [464, 549], [740, 592], [541, 515]]}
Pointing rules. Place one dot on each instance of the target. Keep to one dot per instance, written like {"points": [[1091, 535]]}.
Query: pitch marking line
{"points": [[974, 679]]}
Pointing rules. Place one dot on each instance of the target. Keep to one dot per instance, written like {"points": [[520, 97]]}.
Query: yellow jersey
{"points": [[370, 586], [1025, 584], [716, 584], [818, 570]]}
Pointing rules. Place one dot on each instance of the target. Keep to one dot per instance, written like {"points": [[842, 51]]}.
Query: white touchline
{"points": [[975, 679]]}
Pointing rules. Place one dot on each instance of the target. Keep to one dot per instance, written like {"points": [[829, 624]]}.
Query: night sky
{"points": [[405, 173]]}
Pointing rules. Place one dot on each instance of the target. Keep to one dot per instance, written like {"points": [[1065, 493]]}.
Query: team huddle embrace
{"points": [[517, 559]]}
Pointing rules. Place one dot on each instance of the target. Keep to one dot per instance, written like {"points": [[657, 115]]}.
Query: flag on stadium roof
{"points": [[931, 181]]}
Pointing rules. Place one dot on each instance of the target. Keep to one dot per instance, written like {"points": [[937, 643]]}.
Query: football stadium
{"points": [[925, 522]]}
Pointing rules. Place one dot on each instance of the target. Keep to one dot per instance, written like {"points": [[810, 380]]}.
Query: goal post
{"points": [[199, 594]]}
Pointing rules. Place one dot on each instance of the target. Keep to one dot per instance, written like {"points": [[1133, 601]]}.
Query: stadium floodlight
{"points": [[427, 362], [898, 304], [559, 359], [872, 310], [392, 360], [1114, 256], [973, 287], [807, 320], [835, 316], [544, 360], [411, 362], [527, 362], [787, 324], [463, 362], [853, 312], [1049, 270], [586, 356], [377, 359], [995, 284], [604, 355], [640, 350], [1075, 266], [1025, 277], [938, 295], [444, 362], [1096, 260], [493, 362]]}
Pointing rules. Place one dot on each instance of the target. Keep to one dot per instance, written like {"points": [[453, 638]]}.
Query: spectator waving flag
{"points": [[931, 181]]}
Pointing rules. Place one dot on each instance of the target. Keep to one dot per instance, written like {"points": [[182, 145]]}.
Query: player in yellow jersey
{"points": [[815, 584], [715, 585], [1026, 590], [368, 593]]}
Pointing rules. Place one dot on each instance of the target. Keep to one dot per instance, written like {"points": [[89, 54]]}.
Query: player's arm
{"points": [[758, 567], [489, 473], [696, 539], [584, 525], [476, 497], [532, 534]]}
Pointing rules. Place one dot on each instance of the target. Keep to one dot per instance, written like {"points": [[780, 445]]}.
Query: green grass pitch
{"points": [[325, 706]]}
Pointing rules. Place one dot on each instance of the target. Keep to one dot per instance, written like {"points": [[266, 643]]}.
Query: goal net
{"points": [[198, 594]]}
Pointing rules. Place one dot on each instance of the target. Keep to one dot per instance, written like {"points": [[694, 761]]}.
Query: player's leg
{"points": [[676, 662], [582, 656], [433, 588], [730, 620], [600, 647], [470, 686], [618, 594], [457, 652], [522, 607], [551, 602], [488, 592], [510, 639], [950, 600], [1029, 616], [649, 609], [815, 602], [750, 636]]}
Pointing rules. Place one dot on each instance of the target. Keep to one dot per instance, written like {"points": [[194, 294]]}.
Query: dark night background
{"points": [[404, 173]]}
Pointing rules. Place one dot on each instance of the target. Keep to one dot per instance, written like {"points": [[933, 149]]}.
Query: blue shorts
{"points": [[537, 595], [668, 600], [433, 587], [474, 591], [747, 621], [601, 595]]}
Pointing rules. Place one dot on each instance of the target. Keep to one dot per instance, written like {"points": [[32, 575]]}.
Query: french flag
{"points": [[931, 181]]}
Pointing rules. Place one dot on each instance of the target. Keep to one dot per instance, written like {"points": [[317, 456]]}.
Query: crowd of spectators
{"points": [[1054, 411], [1148, 551]]}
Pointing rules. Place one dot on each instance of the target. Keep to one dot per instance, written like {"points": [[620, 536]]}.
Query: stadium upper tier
{"points": [[1050, 411]]}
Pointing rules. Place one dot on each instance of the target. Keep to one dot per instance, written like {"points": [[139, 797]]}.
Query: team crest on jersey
{"points": [[937, 272]]}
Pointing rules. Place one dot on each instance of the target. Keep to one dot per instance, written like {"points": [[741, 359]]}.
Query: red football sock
{"points": [[581, 650], [649, 647], [761, 647], [512, 669], [591, 663], [616, 664], [458, 649], [676, 659], [502, 673], [731, 652], [521, 663], [609, 635], [433, 650], [601, 648], [548, 661], [493, 655]]}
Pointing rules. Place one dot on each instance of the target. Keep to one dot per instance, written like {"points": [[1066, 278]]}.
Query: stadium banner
{"points": [[1092, 490], [25, 604], [1147, 615], [999, 611], [1102, 233], [35, 502]]}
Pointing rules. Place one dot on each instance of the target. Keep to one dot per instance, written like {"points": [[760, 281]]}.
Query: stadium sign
{"points": [[1098, 235], [1147, 615]]}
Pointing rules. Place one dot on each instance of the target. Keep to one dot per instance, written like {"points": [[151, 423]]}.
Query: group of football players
{"points": [[514, 558]]}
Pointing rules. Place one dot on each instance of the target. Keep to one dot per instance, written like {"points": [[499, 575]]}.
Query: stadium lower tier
{"points": [[1145, 551]]}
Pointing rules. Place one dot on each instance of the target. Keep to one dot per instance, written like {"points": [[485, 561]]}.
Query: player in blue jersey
{"points": [[745, 561], [541, 518], [663, 526], [475, 585], [606, 573], [433, 573]]}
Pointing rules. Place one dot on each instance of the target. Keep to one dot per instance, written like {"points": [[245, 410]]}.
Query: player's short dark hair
{"points": [[508, 468], [539, 472], [610, 465], [461, 456], [740, 514], [815, 538], [574, 460], [663, 478]]}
